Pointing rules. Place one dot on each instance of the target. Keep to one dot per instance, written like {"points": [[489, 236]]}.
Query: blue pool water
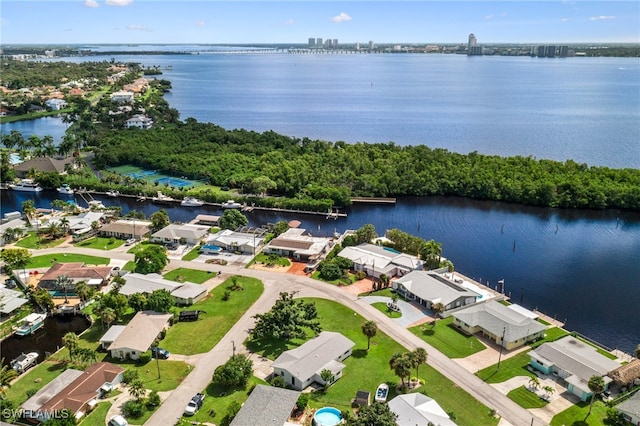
{"points": [[392, 250], [211, 247], [327, 416]]}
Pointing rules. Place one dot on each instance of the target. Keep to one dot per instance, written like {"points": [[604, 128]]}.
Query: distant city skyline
{"points": [[274, 22]]}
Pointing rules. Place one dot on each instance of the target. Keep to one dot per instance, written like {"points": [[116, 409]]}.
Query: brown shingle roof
{"points": [[44, 164], [627, 373], [76, 271]]}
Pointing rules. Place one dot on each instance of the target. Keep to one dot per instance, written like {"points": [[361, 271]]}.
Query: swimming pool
{"points": [[327, 416]]}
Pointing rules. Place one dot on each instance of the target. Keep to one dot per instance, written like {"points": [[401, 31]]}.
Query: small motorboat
{"points": [[191, 202], [25, 361], [65, 189], [113, 193], [382, 392], [162, 199], [230, 204], [30, 323]]}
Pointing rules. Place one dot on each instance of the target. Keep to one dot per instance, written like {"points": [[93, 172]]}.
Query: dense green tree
{"points": [[369, 329], [287, 319], [329, 271], [160, 301], [281, 227], [138, 302], [327, 376], [7, 172], [376, 414], [7, 374], [137, 389], [233, 219], [152, 258], [431, 254], [159, 220], [234, 373], [366, 234], [15, 258]]}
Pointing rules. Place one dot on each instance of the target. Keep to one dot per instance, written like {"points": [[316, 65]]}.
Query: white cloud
{"points": [[343, 17], [601, 18], [91, 3], [288, 22], [119, 2], [565, 19], [490, 16], [201, 23], [134, 27]]}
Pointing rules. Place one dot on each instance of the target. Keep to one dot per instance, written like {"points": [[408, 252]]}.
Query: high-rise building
{"points": [[371, 45], [472, 46], [335, 43], [473, 42], [312, 42], [319, 42]]}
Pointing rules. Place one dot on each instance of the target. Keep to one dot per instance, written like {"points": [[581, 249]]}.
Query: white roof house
{"points": [[496, 320], [138, 121], [236, 241], [56, 104], [185, 293], [122, 96], [12, 224], [111, 335], [429, 288], [296, 244], [174, 232], [303, 365], [139, 334], [377, 260], [418, 409], [10, 300], [81, 223]]}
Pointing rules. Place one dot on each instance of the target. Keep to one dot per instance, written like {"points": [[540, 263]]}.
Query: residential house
{"points": [[378, 260], [175, 233], [43, 164], [82, 223], [11, 224], [75, 390], [430, 288], [122, 97], [206, 219], [10, 300], [111, 335], [126, 228], [506, 326], [295, 244], [94, 276], [630, 409], [302, 366], [186, 293], [266, 406], [143, 329], [574, 361], [418, 409], [56, 104], [138, 121], [245, 243], [627, 375]]}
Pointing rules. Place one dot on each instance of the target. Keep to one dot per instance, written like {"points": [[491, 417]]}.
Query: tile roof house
{"points": [[303, 365], [94, 276], [295, 244], [429, 288], [186, 293], [418, 409], [138, 121], [628, 374], [242, 242], [496, 320], [630, 409], [74, 390], [174, 232], [377, 260], [43, 164], [574, 361], [266, 406], [139, 334], [125, 229]]}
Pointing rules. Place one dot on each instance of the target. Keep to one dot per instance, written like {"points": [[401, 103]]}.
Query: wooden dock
{"points": [[373, 200]]}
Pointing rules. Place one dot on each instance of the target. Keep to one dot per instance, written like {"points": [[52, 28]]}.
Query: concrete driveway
{"points": [[411, 314]]}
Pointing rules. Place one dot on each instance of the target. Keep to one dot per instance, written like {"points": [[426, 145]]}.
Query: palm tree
{"points": [[137, 390], [401, 365], [369, 329], [534, 382], [437, 309], [549, 390], [431, 253], [83, 290], [54, 230], [108, 315], [638, 351], [596, 386], [64, 223], [7, 374], [64, 282], [419, 357], [71, 340]]}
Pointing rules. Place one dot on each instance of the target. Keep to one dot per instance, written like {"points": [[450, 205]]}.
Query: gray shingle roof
{"points": [[631, 406], [266, 406], [433, 287], [141, 331]]}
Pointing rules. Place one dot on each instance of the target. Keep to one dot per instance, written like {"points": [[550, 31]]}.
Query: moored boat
{"points": [[382, 392], [113, 193], [30, 323], [25, 361], [191, 202], [161, 198], [65, 189], [26, 185], [230, 204]]}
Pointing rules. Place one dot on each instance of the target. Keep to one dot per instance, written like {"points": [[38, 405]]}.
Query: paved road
{"points": [[275, 283]]}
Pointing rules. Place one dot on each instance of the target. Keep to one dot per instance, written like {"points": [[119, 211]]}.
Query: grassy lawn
{"points": [[31, 242], [98, 416], [146, 414], [447, 339], [47, 260], [385, 292], [382, 307], [367, 369], [218, 318], [574, 415], [349, 279], [129, 266], [193, 254], [100, 243], [550, 335], [271, 260], [35, 379], [192, 275], [512, 367], [525, 398], [218, 400]]}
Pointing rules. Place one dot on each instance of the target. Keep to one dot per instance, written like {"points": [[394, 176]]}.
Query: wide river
{"points": [[582, 267]]}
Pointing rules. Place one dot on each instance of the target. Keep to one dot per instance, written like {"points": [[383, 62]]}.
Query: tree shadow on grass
{"points": [[266, 347], [359, 353], [428, 331]]}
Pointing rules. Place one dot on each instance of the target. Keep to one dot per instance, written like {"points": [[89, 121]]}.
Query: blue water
{"points": [[327, 416]]}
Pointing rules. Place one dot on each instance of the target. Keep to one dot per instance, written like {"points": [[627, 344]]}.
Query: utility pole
{"points": [[233, 343], [504, 331]]}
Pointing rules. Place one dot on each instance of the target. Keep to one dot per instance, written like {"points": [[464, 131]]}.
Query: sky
{"points": [[241, 22]]}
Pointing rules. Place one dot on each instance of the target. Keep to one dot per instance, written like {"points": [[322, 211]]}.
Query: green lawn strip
{"points": [[193, 254], [576, 414], [218, 400], [100, 243], [46, 260], [382, 307], [385, 292], [172, 373], [192, 275], [350, 279], [525, 398], [267, 259], [35, 379], [543, 322], [448, 340], [98, 416], [550, 335], [129, 266], [509, 368], [200, 336], [367, 369], [31, 242]]}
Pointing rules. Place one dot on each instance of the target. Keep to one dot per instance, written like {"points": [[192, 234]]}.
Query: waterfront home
{"points": [[122, 97], [10, 300], [298, 245], [138, 336], [44, 165], [302, 366], [508, 327], [418, 409], [80, 224], [94, 276], [14, 224], [267, 406], [630, 409], [111, 335], [207, 219], [378, 260], [575, 362], [430, 288], [56, 104], [138, 121], [125, 229], [175, 233], [77, 391], [242, 242], [627, 375], [186, 293]]}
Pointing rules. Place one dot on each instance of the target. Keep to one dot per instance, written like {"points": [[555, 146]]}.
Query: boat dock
{"points": [[373, 200]]}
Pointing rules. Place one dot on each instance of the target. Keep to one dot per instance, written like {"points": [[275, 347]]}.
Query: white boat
{"points": [[382, 392], [191, 202], [24, 362], [161, 198], [30, 323], [65, 189], [230, 204], [96, 205], [113, 193], [26, 185]]}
